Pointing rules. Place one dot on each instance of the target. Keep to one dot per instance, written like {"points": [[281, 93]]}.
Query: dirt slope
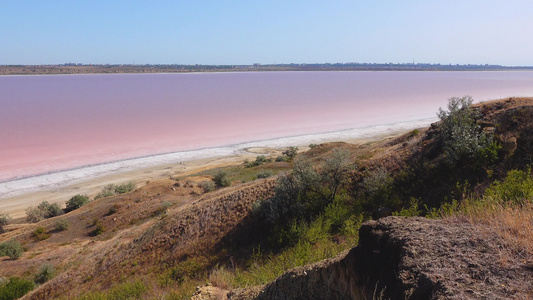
{"points": [[410, 258]]}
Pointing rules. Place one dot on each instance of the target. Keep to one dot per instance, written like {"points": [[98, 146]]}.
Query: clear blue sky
{"points": [[246, 32]]}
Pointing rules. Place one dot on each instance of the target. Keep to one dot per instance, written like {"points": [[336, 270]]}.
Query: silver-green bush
{"points": [[11, 248], [460, 135]]}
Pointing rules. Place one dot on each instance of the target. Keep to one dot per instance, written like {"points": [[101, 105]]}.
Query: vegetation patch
{"points": [[40, 234], [11, 248], [245, 174], [99, 228], [112, 189], [76, 202], [43, 211], [45, 273], [259, 160], [4, 220], [123, 291], [221, 179], [208, 186], [14, 288]]}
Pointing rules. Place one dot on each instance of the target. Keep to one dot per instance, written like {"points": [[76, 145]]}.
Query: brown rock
{"points": [[209, 292]]}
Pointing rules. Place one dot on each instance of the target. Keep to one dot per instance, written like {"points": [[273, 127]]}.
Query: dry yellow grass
{"points": [[513, 223]]}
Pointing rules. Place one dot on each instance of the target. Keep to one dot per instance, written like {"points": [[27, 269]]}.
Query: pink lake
{"points": [[50, 123]]}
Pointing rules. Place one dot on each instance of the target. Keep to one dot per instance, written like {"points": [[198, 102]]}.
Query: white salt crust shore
{"points": [[64, 178]]}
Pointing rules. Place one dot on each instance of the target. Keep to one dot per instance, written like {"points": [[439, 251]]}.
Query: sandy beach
{"points": [[15, 206]]}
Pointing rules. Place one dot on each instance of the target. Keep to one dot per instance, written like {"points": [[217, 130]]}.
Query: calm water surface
{"points": [[56, 122]]}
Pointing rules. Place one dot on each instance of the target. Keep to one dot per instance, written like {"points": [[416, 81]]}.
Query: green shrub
{"points": [[207, 186], [126, 187], [259, 160], [54, 210], [264, 174], [44, 206], [113, 209], [42, 211], [124, 291], [11, 248], [45, 273], [308, 190], [335, 215], [413, 210], [4, 219], [282, 158], [191, 268], [99, 229], [111, 189], [61, 225], [107, 191], [378, 190], [34, 214], [516, 188], [460, 135], [221, 179], [291, 152], [15, 288], [76, 202], [40, 234], [413, 133]]}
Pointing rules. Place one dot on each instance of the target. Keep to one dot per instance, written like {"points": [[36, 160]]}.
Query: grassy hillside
{"points": [[164, 239]]}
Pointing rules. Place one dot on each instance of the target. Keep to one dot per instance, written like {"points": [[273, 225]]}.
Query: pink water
{"points": [[49, 123]]}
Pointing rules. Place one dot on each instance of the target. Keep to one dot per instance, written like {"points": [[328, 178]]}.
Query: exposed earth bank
{"points": [[407, 258]]}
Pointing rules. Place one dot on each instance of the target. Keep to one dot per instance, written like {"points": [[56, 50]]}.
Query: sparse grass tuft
{"points": [[123, 291], [513, 223], [45, 273], [98, 228], [40, 234]]}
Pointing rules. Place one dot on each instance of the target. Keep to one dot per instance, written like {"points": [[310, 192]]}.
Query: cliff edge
{"points": [[410, 258], [419, 258]]}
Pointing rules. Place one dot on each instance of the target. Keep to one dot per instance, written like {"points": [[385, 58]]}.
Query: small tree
{"points": [[76, 202], [460, 135], [308, 189]]}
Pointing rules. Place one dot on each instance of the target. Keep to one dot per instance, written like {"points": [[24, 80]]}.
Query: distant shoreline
{"points": [[147, 69]]}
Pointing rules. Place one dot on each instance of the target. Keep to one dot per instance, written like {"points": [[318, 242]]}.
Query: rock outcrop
{"points": [[419, 258], [411, 258]]}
